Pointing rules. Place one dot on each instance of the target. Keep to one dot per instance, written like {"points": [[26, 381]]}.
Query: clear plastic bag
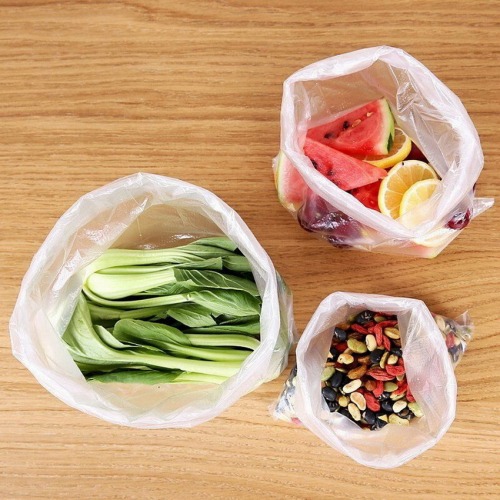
{"points": [[425, 109], [432, 345], [140, 211]]}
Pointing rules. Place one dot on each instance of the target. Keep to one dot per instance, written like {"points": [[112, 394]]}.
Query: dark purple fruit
{"points": [[318, 216], [460, 219], [416, 154]]}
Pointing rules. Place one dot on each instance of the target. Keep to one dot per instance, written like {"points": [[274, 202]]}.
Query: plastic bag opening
{"points": [[140, 211], [430, 113], [429, 373]]}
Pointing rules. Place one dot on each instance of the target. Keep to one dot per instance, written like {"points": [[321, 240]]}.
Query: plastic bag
{"points": [[140, 211], [431, 349], [424, 108]]}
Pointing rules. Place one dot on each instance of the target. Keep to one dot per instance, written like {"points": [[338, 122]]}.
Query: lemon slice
{"points": [[400, 149], [399, 179], [418, 193], [437, 238]]}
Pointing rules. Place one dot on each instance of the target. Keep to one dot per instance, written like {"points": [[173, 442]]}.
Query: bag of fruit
{"points": [[374, 377], [377, 154], [151, 304]]}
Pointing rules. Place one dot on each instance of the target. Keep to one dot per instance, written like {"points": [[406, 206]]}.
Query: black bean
{"points": [[369, 417], [339, 334], [380, 423], [364, 317], [386, 405], [329, 394], [334, 354], [337, 379], [333, 405], [384, 396], [345, 412], [376, 355], [397, 351]]}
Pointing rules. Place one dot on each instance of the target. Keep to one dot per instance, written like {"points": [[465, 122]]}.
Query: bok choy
{"points": [[189, 314]]}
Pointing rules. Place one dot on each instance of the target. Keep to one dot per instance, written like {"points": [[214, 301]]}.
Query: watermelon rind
{"points": [[290, 196], [390, 119]]}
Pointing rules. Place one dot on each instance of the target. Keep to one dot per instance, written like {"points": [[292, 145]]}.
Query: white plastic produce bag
{"points": [[429, 373], [426, 110], [140, 211]]}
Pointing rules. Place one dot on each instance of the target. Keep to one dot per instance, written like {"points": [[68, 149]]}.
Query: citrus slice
{"points": [[400, 178], [418, 193], [400, 149], [437, 238]]}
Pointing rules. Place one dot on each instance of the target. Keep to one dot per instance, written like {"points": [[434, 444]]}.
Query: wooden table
{"points": [[92, 91]]}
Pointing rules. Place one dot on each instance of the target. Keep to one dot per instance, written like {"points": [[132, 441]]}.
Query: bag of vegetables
{"points": [[151, 304], [377, 154]]}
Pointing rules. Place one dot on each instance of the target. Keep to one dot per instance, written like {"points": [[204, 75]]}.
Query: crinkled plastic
{"points": [[430, 113], [140, 211], [429, 362]]}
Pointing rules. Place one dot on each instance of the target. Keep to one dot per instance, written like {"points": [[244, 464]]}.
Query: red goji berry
{"points": [[379, 374], [379, 389], [371, 329], [409, 395], [401, 362], [386, 343], [341, 346], [400, 390], [359, 329], [371, 403], [384, 324], [369, 324], [393, 370], [379, 338]]}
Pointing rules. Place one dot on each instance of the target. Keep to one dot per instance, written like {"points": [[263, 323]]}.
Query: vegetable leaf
{"points": [[213, 279], [234, 302], [219, 242], [154, 377], [171, 339], [237, 263]]}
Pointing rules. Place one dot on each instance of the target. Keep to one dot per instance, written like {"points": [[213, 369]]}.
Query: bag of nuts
{"points": [[365, 361]]}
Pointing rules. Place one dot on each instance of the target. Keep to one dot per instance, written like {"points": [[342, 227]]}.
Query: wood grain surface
{"points": [[91, 91]]}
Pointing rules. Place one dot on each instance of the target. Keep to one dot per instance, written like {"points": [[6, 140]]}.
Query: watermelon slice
{"points": [[289, 184], [368, 130], [343, 170], [368, 195]]}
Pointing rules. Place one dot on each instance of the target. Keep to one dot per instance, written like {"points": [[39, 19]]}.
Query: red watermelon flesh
{"points": [[343, 170], [366, 131], [368, 195]]}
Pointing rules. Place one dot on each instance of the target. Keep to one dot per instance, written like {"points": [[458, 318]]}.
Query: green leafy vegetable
{"points": [[213, 279], [187, 314], [171, 340], [154, 377], [237, 263], [192, 315]]}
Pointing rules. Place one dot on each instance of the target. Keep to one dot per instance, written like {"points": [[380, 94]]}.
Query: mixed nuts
{"points": [[364, 376]]}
